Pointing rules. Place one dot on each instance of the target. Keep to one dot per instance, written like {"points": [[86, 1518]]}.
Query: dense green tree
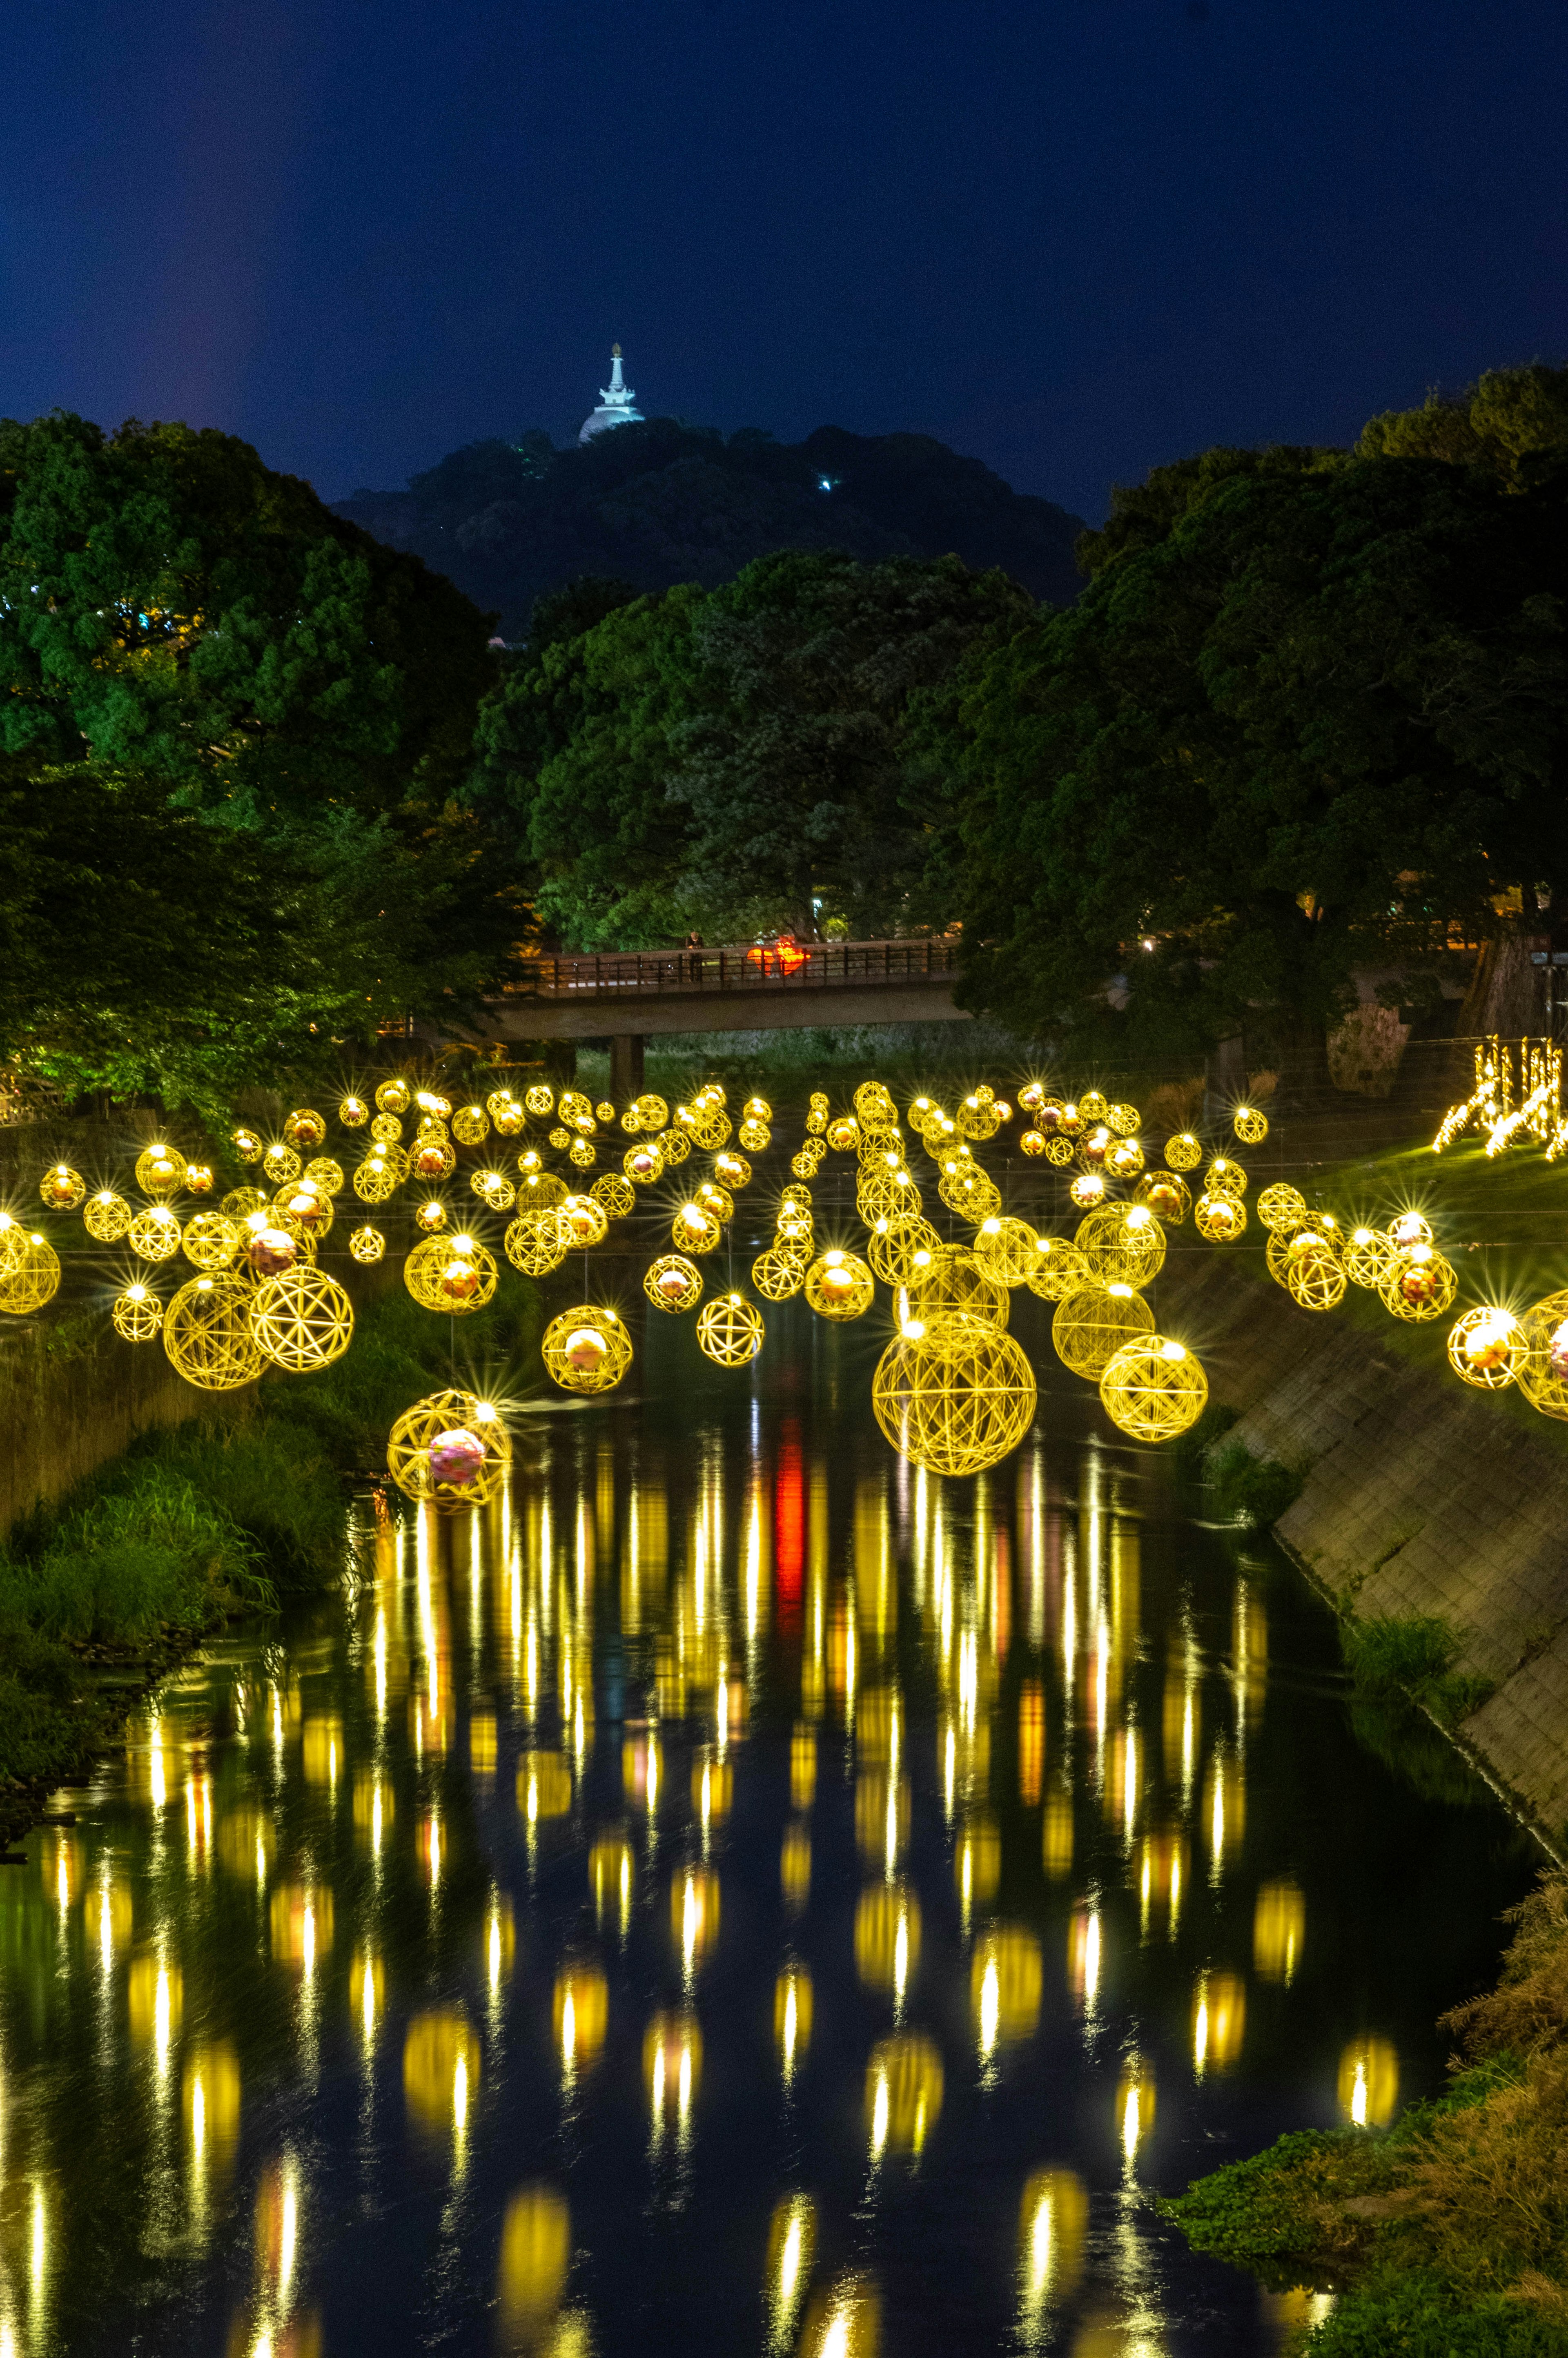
{"points": [[232, 733], [727, 759], [1307, 719]]}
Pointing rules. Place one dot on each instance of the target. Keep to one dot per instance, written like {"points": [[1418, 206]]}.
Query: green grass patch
{"points": [[1413, 1654], [1246, 1489]]}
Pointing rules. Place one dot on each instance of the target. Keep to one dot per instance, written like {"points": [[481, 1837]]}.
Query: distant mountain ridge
{"points": [[661, 502]]}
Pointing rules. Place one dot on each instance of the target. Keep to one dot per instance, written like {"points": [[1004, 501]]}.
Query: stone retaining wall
{"points": [[65, 1409], [1421, 1497]]}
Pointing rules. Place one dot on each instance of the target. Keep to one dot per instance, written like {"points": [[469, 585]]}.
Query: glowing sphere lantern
{"points": [[586, 1349], [673, 1283], [1486, 1347], [270, 1251], [445, 1416], [61, 1188]]}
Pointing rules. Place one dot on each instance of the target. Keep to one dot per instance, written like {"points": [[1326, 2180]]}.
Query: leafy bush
{"points": [[1191, 1448], [1247, 1489], [1417, 2317], [43, 1727], [158, 1554], [1413, 1654]]}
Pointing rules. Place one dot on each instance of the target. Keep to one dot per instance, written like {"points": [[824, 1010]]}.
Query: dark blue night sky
{"points": [[1073, 240]]}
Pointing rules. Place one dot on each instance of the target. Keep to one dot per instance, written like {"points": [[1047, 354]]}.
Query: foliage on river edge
{"points": [[200, 1522], [1446, 2235]]}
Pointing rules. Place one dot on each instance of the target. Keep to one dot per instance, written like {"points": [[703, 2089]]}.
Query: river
{"points": [[733, 1894]]}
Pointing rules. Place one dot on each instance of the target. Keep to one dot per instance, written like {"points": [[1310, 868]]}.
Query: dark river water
{"points": [[735, 1895]]}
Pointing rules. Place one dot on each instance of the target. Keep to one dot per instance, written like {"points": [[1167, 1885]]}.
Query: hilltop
{"points": [[661, 501]]}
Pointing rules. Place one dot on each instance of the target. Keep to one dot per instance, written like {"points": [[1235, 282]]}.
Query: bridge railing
{"points": [[798, 966]]}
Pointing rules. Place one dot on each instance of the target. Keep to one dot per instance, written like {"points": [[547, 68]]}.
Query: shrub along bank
{"points": [[204, 1521], [1446, 2235]]}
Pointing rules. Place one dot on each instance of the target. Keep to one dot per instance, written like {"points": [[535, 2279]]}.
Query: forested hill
{"points": [[662, 503]]}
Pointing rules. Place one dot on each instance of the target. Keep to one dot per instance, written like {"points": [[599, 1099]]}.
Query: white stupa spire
{"points": [[616, 403]]}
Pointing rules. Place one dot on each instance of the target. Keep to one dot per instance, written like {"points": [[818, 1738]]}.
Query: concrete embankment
{"points": [[1421, 1496], [66, 1405]]}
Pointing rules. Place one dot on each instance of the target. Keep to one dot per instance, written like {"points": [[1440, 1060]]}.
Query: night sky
{"points": [[1073, 240]]}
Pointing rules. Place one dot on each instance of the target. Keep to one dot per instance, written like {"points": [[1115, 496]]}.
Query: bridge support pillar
{"points": [[626, 1066]]}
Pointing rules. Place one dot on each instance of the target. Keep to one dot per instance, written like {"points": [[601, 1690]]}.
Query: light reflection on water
{"points": [[737, 1892]]}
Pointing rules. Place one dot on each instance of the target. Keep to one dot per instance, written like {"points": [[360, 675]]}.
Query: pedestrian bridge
{"points": [[777, 985]]}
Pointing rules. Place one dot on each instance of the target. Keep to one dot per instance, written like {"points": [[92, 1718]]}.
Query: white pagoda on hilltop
{"points": [[616, 403]]}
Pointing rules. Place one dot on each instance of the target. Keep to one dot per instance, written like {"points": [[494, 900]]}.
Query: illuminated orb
{"points": [[302, 1320], [470, 1125], [953, 1393], [207, 1334], [305, 1128], [137, 1315], [387, 1130], [1094, 1105], [586, 1349], [432, 1157], [843, 1133], [106, 1217], [281, 1164], [1316, 1278], [199, 1178], [1280, 1207], [1219, 1218], [367, 1244], [1407, 1229], [535, 1243], [1225, 1178], [377, 1179], [731, 1171], [538, 1190], [1122, 1243], [160, 1169], [61, 1189], [1090, 1327], [1153, 1389], [729, 1330], [270, 1250], [951, 1278], [1059, 1270], [779, 1273], [436, 1420], [323, 1172], [1166, 1196], [694, 1229], [892, 1245], [652, 1111], [614, 1195], [248, 1145], [1542, 1371], [154, 1235], [1183, 1152], [644, 1164], [495, 1190], [583, 1223], [453, 1274], [353, 1112], [839, 1285], [210, 1240], [1088, 1190], [1249, 1126], [1487, 1347], [505, 1113], [394, 1095], [1420, 1284], [672, 1282], [1007, 1250], [1369, 1257]]}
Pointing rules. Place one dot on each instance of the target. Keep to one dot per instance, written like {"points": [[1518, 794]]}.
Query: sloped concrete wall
{"points": [[65, 1409], [1421, 1496]]}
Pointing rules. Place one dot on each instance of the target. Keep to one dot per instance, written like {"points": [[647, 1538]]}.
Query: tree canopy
{"points": [[233, 736], [730, 759], [1310, 715]]}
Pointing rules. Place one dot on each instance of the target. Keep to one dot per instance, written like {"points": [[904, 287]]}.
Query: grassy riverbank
{"points": [[1446, 2234], [200, 1522]]}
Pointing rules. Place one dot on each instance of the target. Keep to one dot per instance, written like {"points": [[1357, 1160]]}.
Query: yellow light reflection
{"points": [[579, 2014], [535, 2254], [543, 1786], [792, 2018], [1219, 2020], [1134, 2109], [1085, 1959], [301, 1918], [209, 2100], [887, 1938], [156, 1998], [367, 1994], [375, 1808], [1053, 2228], [440, 2071], [482, 1743], [712, 1789], [792, 2247], [321, 1752], [794, 1866], [609, 1878], [1279, 1929], [500, 1941], [642, 1770], [1224, 1812], [1368, 2083], [1163, 1875], [844, 2322], [882, 1816], [694, 1915], [976, 1867], [903, 2094], [1005, 1981], [107, 1918], [1056, 1837], [671, 2068], [803, 1768]]}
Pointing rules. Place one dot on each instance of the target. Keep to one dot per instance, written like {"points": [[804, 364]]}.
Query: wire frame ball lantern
{"points": [[953, 1393], [1091, 1327], [1542, 1371], [1183, 1152], [160, 1169], [1420, 1285], [695, 1230], [1088, 1190], [207, 1334], [1220, 1220], [1059, 1269], [1167, 1196], [839, 1285], [1282, 1207], [137, 1315], [449, 1450], [1315, 1277], [302, 1320], [455, 1274], [951, 1278], [1153, 1389], [106, 1215], [367, 1245], [729, 1330], [1125, 1243], [584, 1223], [495, 1190], [1006, 1249], [61, 1189], [1487, 1347], [673, 1283], [30, 1268], [586, 1349], [154, 1234], [1250, 1126], [211, 1240], [617, 1195], [892, 1245], [377, 1178], [534, 1242], [779, 1273], [1369, 1257]]}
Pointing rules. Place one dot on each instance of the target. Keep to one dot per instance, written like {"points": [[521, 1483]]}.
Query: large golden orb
{"points": [[953, 1393], [1153, 1389]]}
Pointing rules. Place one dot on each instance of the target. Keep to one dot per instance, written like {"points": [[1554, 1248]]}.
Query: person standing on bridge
{"points": [[694, 965]]}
